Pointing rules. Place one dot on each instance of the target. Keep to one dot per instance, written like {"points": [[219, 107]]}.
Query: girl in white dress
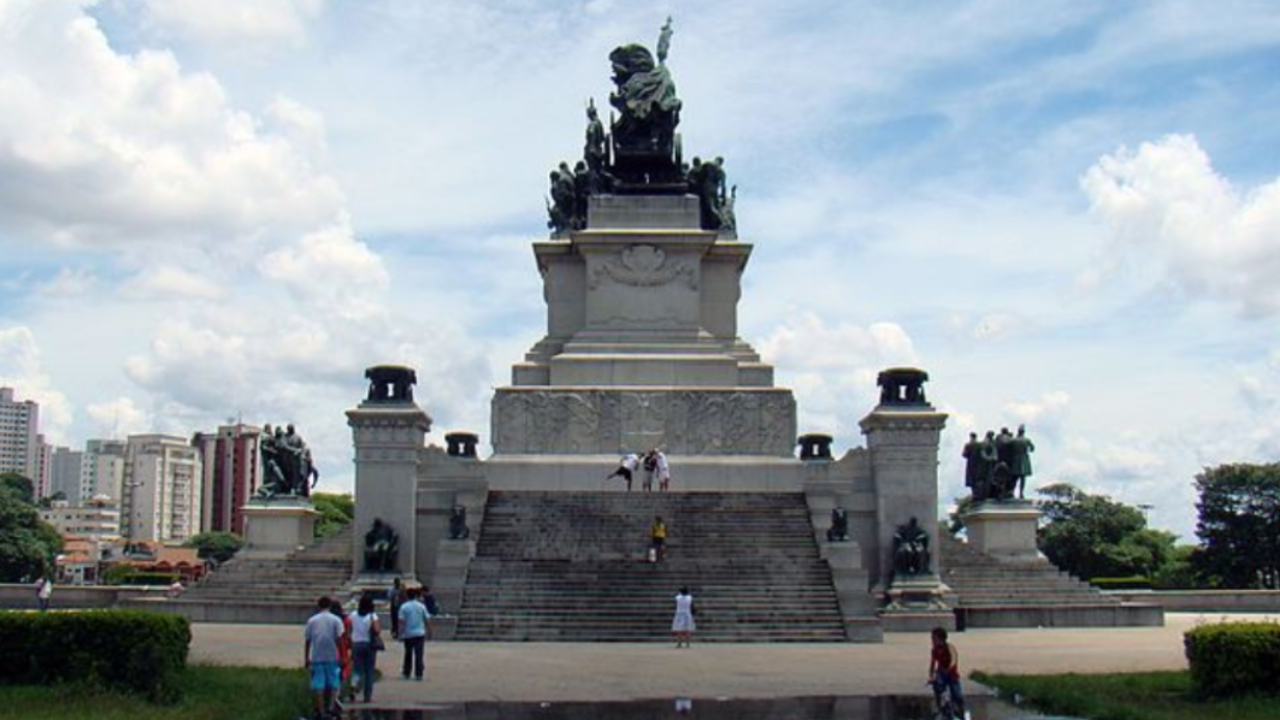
{"points": [[682, 624]]}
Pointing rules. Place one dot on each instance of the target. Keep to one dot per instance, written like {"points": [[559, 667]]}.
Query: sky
{"points": [[1067, 212]]}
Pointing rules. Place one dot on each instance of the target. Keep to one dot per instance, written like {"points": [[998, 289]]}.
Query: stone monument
{"points": [[279, 519]]}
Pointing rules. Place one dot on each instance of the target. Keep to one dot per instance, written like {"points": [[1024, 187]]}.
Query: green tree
{"points": [[28, 545], [217, 546], [336, 512], [20, 484], [1094, 536], [1239, 525]]}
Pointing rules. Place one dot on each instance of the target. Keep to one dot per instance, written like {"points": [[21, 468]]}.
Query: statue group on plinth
{"points": [[998, 466], [646, 153], [287, 469]]}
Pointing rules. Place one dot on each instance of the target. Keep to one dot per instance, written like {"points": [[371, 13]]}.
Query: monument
{"points": [[642, 274], [279, 519]]}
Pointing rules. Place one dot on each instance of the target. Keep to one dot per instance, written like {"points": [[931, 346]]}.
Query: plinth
{"points": [[1003, 528], [277, 528]]}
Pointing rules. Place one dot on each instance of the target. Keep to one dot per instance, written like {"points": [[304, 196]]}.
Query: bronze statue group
{"points": [[286, 464], [998, 465]]}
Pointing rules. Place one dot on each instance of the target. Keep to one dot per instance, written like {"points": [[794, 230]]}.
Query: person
{"points": [[429, 600], [664, 470], [320, 657], [682, 625], [650, 469], [972, 455], [658, 539], [344, 650], [44, 592], [1021, 449], [414, 629], [365, 634], [944, 670], [176, 589], [626, 468], [395, 598]]}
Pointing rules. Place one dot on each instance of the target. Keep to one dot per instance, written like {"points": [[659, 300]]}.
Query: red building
{"points": [[232, 473]]}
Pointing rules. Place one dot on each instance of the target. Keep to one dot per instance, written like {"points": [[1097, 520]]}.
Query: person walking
{"points": [[414, 630], [320, 657], [682, 625], [366, 638], [44, 592], [344, 651], [395, 597]]}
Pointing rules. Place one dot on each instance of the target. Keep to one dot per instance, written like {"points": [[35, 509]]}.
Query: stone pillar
{"points": [[902, 439], [388, 437]]}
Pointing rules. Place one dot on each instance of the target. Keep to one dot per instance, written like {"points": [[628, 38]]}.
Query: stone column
{"points": [[388, 438], [903, 439]]}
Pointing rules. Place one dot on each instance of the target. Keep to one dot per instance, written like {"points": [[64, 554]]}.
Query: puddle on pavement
{"points": [[881, 707]]}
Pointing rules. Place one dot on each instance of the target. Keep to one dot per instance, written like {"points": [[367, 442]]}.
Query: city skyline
{"points": [[230, 209]]}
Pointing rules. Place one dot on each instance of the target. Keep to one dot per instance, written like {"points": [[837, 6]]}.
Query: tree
{"points": [[1094, 536], [217, 546], [336, 512], [20, 484], [1239, 525], [28, 545]]}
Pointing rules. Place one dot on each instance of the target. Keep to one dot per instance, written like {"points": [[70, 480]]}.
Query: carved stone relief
{"points": [[644, 266]]}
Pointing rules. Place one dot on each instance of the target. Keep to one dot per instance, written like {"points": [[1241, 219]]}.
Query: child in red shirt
{"points": [[944, 670]]}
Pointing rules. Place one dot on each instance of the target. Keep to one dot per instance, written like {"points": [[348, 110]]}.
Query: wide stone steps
{"points": [[980, 580], [572, 567]]}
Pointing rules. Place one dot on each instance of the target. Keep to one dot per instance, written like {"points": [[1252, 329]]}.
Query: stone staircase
{"points": [[260, 590], [572, 567], [1033, 592]]}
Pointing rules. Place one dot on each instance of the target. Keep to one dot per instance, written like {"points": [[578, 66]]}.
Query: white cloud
{"points": [[118, 418], [22, 368], [168, 281], [261, 24], [1044, 415], [331, 271], [69, 282], [1167, 206]]}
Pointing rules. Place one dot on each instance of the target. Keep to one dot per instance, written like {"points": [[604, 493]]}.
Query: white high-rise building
{"points": [[162, 489], [102, 470], [20, 438]]}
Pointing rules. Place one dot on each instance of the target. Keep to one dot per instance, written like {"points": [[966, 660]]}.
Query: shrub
{"points": [[131, 650], [145, 578], [1233, 658], [1121, 583]]}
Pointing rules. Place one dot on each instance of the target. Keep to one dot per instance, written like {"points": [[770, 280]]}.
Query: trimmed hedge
{"points": [[165, 579], [130, 650], [1121, 583], [1234, 658]]}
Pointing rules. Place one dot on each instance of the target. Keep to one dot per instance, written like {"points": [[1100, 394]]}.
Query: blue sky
{"points": [[1067, 211]]}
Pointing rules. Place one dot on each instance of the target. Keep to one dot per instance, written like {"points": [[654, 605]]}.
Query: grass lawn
{"points": [[1132, 696], [209, 693]]}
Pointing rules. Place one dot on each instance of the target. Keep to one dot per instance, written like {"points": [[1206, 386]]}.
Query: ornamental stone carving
{"points": [[707, 422], [644, 266]]}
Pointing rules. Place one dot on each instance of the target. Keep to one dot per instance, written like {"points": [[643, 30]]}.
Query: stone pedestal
{"points": [[903, 444], [388, 437], [917, 604], [275, 529], [1005, 528]]}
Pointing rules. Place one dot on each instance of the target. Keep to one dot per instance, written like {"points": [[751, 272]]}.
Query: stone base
{"points": [[1003, 529], [278, 528], [683, 421], [587, 472], [917, 621]]}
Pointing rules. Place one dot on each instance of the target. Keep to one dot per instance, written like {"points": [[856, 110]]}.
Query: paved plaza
{"points": [[459, 671]]}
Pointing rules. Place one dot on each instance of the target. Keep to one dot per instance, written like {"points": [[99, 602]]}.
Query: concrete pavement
{"points": [[459, 671]]}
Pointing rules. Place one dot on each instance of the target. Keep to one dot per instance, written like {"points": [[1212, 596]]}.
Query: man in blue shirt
{"points": [[320, 656], [414, 630]]}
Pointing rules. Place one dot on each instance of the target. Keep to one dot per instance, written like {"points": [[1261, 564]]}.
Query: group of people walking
{"points": [[652, 464], [341, 650]]}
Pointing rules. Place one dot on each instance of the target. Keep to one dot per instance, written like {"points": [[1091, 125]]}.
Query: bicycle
{"points": [[943, 706]]}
